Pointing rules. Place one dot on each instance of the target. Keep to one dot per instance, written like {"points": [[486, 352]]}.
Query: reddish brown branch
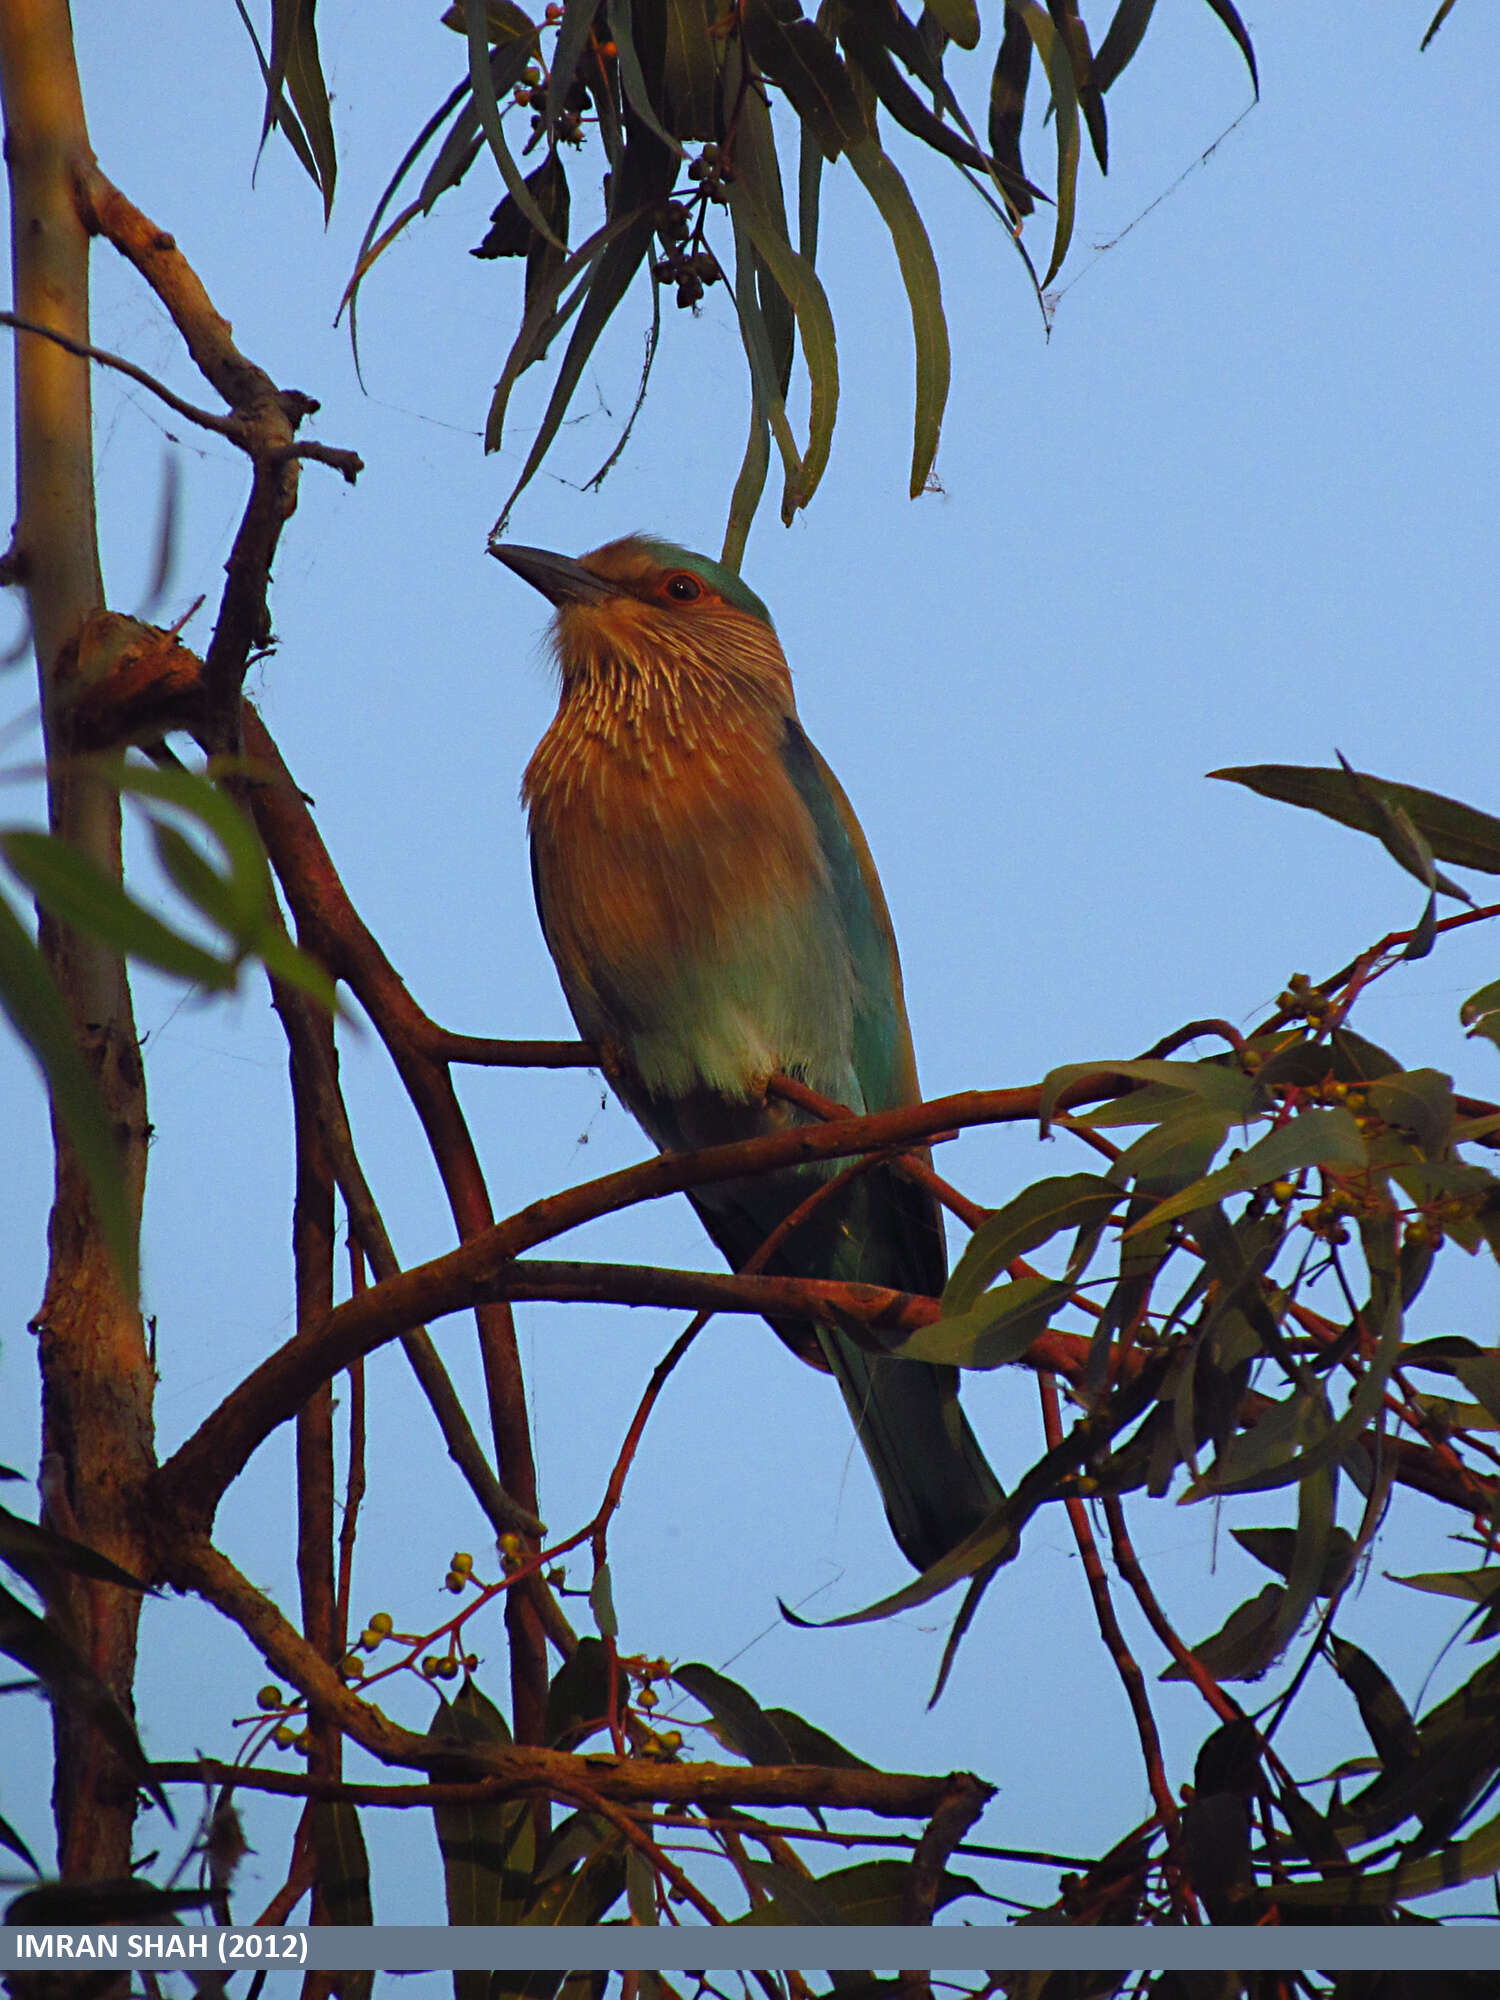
{"points": [[264, 418], [524, 1770], [1126, 1664], [329, 926]]}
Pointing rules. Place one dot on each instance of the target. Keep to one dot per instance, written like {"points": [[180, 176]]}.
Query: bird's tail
{"points": [[934, 1479]]}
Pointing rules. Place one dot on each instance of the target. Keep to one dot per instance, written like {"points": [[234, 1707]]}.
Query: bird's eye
{"points": [[683, 588]]}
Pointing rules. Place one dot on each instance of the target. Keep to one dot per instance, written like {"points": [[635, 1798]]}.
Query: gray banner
{"points": [[1010, 1948]]}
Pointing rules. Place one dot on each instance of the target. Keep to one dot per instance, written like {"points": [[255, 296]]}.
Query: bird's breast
{"points": [[686, 901]]}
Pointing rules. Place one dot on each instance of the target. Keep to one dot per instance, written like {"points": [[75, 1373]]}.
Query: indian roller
{"points": [[715, 917]]}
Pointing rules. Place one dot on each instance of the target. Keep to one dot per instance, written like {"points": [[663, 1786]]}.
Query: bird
{"points": [[713, 911]]}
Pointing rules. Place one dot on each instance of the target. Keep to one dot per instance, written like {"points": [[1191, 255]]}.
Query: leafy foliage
{"points": [[681, 105]]}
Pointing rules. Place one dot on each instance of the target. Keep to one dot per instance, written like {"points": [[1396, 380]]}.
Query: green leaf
{"points": [[294, 56], [1457, 833], [30, 998], [1437, 21], [1008, 84], [1053, 51], [749, 485], [958, 19], [12, 1841], [871, 1892], [545, 318], [740, 1722], [1480, 1375], [1313, 1544], [690, 73], [801, 284], [75, 889], [1033, 1217], [1475, 1586], [486, 103], [1384, 1714], [919, 274], [1228, 15], [343, 1870], [578, 1698], [811, 1745], [38, 1553], [1244, 1645], [1222, 1086], [1325, 1443], [572, 39], [632, 77], [1419, 1101], [36, 1644], [1317, 1138], [801, 60], [1480, 1013], [278, 111], [1121, 40], [1276, 1547], [1172, 1156], [488, 1845], [645, 177], [997, 1329]]}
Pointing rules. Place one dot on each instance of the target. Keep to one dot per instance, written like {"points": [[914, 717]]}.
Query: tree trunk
{"points": [[97, 1377]]}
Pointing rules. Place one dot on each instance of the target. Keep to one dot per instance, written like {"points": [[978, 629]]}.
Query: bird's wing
{"points": [[883, 1058]]}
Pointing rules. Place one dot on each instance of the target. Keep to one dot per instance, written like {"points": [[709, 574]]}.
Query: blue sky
{"points": [[1240, 507]]}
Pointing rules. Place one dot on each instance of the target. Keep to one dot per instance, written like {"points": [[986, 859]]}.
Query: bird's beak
{"points": [[559, 579]]}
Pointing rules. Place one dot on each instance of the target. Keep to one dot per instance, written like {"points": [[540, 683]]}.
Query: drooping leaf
{"points": [[1437, 21], [802, 61], [869, 1893], [958, 19], [338, 1842], [1030, 1219], [72, 1684], [620, 17], [802, 287], [1383, 1712], [1275, 1547], [1244, 1645], [1121, 40], [749, 485], [998, 1328], [811, 1745], [37, 1553], [1008, 82], [1319, 1137], [1457, 833], [486, 103], [741, 1724], [76, 890], [1228, 14], [30, 998], [279, 110], [645, 177], [1053, 50], [919, 274], [578, 1698], [295, 58], [13, 1843], [488, 1845], [690, 76]]}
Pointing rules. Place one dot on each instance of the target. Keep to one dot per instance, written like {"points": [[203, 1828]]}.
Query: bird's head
{"points": [[654, 609]]}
